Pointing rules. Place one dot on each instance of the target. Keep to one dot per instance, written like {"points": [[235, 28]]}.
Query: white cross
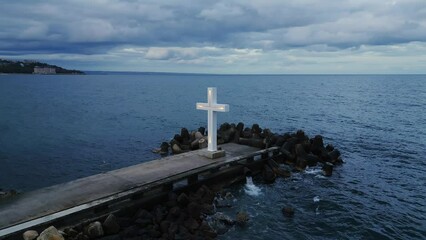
{"points": [[212, 108]]}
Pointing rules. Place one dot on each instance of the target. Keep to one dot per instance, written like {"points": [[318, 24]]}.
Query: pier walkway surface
{"points": [[32, 208]]}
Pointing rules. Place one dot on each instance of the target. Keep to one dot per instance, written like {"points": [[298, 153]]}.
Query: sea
{"points": [[57, 128]]}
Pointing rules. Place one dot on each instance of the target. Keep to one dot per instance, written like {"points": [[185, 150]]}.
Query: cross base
{"points": [[213, 154]]}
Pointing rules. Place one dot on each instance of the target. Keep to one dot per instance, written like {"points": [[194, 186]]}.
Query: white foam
{"points": [[314, 170], [316, 199], [252, 189]]}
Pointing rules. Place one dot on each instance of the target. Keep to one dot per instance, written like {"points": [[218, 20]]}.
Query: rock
{"points": [[207, 209], [288, 211], [174, 212], [207, 231], [183, 200], [176, 149], [246, 133], [164, 148], [110, 225], [164, 226], [95, 230], [30, 235], [178, 138], [221, 217], [191, 224], [258, 143], [130, 231], [256, 130], [329, 147], [111, 237], [317, 147], [81, 236], [202, 130], [71, 232], [184, 133], [327, 169], [194, 210], [312, 160], [143, 214], [50, 233], [7, 194], [159, 213], [202, 143], [268, 174], [334, 155], [198, 135], [242, 218]]}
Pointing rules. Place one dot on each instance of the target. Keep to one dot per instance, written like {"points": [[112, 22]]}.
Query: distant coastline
{"points": [[33, 67]]}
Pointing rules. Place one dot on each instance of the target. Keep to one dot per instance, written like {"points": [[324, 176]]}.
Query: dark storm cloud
{"points": [[229, 35], [93, 26]]}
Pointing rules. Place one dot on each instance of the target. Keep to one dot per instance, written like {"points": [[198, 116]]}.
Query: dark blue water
{"points": [[58, 128]]}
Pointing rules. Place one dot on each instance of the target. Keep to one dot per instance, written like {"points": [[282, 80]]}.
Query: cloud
{"points": [[202, 32]]}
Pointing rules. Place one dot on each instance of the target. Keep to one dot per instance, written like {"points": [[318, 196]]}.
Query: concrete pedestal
{"points": [[213, 154]]}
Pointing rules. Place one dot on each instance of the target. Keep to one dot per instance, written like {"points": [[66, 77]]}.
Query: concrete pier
{"points": [[53, 203]]}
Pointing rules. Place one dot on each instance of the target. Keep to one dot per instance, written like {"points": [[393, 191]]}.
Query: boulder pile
{"points": [[188, 215], [297, 149]]}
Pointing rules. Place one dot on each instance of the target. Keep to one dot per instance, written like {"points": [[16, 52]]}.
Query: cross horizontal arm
{"points": [[213, 107]]}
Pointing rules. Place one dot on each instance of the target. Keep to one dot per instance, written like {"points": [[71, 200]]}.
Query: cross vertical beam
{"points": [[212, 108]]}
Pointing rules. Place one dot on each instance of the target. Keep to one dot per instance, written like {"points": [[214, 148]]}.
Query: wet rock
{"points": [[312, 160], [334, 155], [207, 209], [268, 174], [30, 235], [164, 148], [329, 147], [7, 194], [327, 169], [95, 230], [288, 211], [242, 218], [206, 231], [221, 217], [50, 233], [110, 225]]}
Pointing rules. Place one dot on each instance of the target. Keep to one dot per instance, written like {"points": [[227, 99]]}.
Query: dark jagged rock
{"points": [[110, 225], [184, 133], [242, 218], [183, 200], [268, 174], [202, 130], [288, 211], [327, 169], [164, 148]]}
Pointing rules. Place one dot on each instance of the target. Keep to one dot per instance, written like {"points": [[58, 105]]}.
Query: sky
{"points": [[223, 37]]}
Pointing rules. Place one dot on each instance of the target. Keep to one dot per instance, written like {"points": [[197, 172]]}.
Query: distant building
{"points": [[44, 70]]}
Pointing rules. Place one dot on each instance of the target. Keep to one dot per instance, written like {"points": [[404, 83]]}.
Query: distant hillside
{"points": [[27, 67]]}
